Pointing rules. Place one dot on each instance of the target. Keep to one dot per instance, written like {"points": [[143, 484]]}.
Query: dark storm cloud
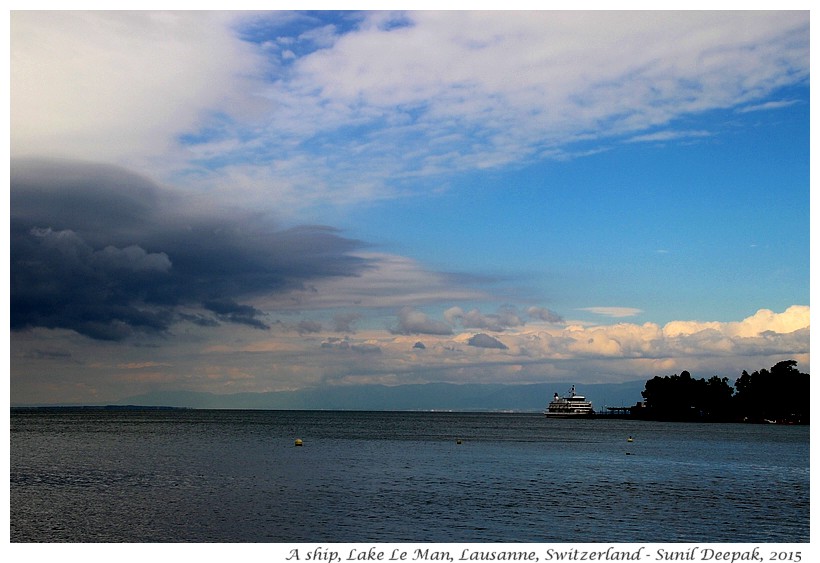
{"points": [[482, 340], [105, 252], [231, 311]]}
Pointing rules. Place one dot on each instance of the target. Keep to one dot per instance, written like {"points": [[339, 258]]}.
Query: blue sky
{"points": [[709, 224], [260, 201]]}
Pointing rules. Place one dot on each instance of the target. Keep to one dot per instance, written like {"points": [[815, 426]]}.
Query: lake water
{"points": [[236, 476]]}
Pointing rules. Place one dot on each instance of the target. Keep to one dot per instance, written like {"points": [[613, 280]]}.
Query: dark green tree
{"points": [[717, 399], [780, 394], [680, 397]]}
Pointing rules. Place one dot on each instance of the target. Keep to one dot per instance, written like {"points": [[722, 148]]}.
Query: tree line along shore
{"points": [[777, 395]]}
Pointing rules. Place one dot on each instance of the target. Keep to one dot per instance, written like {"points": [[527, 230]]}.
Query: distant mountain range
{"points": [[425, 397]]}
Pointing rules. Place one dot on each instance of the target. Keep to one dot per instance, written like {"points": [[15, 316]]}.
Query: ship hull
{"points": [[569, 414]]}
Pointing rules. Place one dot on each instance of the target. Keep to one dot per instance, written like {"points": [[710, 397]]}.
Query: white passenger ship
{"points": [[571, 405]]}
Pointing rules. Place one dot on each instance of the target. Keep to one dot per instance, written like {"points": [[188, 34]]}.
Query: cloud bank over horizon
{"points": [[112, 257]]}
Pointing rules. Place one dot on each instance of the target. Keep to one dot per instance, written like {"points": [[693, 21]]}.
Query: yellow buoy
{"points": [[458, 441], [298, 442], [629, 439]]}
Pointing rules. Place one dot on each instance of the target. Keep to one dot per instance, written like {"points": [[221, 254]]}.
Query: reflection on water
{"points": [[235, 476]]}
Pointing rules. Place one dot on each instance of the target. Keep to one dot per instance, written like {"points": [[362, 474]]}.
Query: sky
{"points": [[263, 201]]}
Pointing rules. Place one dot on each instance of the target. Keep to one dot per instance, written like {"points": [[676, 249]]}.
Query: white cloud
{"points": [[390, 282], [613, 311], [767, 106], [370, 108], [765, 332], [460, 354], [111, 85], [479, 89], [279, 359], [794, 318], [521, 83], [663, 136]]}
